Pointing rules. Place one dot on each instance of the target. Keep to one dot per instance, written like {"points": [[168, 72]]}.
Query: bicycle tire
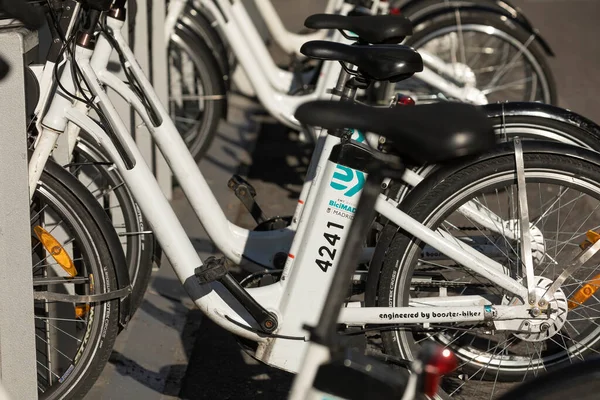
{"points": [[73, 205], [138, 248], [428, 204], [509, 31], [202, 125]]}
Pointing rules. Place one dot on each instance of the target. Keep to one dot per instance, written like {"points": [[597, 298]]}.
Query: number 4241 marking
{"points": [[326, 252]]}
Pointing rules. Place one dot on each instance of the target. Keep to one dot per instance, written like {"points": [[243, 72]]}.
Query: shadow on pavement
{"points": [[154, 380], [280, 158], [219, 369]]}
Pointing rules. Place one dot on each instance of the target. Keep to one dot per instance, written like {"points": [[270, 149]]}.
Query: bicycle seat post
{"points": [[341, 83]]}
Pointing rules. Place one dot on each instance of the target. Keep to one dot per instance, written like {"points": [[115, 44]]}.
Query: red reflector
{"points": [[395, 11], [443, 362], [405, 100]]}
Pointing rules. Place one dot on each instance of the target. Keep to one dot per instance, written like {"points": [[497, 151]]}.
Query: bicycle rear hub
{"points": [[546, 320]]}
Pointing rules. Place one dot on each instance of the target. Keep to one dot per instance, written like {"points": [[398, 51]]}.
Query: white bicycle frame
{"points": [[298, 297], [258, 66]]}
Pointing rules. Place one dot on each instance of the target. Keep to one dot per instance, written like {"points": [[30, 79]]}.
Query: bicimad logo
{"points": [[347, 179]]}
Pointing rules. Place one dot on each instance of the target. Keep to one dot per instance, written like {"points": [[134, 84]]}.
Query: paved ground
{"points": [[572, 30], [170, 350]]}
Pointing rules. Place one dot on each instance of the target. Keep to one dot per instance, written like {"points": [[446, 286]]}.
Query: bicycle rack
{"points": [[17, 334]]}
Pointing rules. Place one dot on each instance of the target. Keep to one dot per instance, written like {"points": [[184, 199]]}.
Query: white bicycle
{"points": [[91, 164], [273, 316], [470, 54]]}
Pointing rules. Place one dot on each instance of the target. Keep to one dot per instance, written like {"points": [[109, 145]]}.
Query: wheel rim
{"points": [[518, 77], [484, 365]]}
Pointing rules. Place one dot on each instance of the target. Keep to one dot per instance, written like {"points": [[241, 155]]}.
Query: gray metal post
{"points": [[17, 335], [161, 85], [151, 54]]}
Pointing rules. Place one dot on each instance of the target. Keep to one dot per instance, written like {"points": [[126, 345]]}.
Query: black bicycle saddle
{"points": [[382, 62], [428, 133], [375, 29]]}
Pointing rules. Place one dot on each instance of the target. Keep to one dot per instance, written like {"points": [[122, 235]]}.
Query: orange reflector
{"points": [[56, 250], [82, 310], [592, 237], [587, 290], [584, 293]]}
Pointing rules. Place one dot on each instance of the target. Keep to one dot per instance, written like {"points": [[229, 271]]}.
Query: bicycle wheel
{"points": [[70, 256], [563, 197], [196, 90], [94, 169], [500, 58]]}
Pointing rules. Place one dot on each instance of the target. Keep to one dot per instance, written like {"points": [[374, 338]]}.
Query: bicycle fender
{"points": [[542, 110], [417, 14], [504, 149], [108, 231]]}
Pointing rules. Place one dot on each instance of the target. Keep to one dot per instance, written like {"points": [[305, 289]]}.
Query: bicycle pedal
{"points": [[245, 192], [212, 270], [236, 182]]}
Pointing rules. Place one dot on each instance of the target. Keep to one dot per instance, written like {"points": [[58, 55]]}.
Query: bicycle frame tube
{"points": [[174, 11], [234, 14], [437, 313], [53, 123], [280, 80]]}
